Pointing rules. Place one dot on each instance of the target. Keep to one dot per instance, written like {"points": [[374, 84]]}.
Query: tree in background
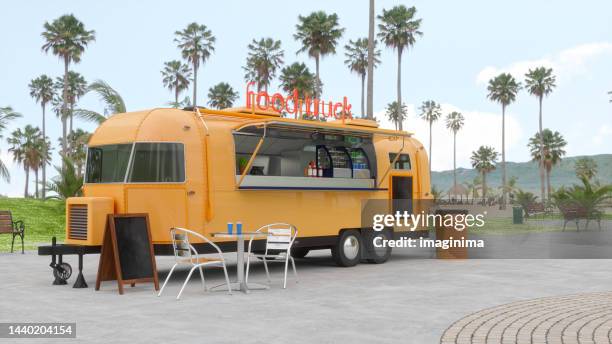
{"points": [[112, 100], [454, 122], [371, 16], [503, 89], [197, 43], [77, 141], [357, 61], [540, 83], [430, 112], [67, 183], [222, 96], [7, 114], [67, 38], [77, 87], [553, 149], [27, 151], [264, 58], [396, 113], [483, 160], [297, 76], [42, 90], [399, 30], [525, 199], [175, 77], [318, 33], [586, 167]]}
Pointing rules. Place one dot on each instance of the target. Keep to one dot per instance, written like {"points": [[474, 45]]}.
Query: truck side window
{"points": [[402, 163], [158, 163], [108, 163]]}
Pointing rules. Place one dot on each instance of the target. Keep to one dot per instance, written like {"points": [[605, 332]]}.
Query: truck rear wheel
{"points": [[347, 251], [378, 255]]}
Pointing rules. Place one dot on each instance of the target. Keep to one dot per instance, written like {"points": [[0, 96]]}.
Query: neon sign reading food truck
{"points": [[292, 104]]}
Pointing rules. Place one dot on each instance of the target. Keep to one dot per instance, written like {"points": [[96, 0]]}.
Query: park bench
{"points": [[8, 226], [576, 213], [535, 209]]}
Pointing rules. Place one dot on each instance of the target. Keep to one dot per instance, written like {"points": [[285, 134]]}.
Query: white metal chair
{"points": [[186, 254], [280, 238]]}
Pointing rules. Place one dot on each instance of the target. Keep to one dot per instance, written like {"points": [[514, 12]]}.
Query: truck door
{"points": [[401, 193], [156, 185]]}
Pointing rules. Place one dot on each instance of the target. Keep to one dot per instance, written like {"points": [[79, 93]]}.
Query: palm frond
{"points": [[89, 115]]}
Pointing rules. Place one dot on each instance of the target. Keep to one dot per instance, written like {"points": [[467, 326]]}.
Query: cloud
{"points": [[481, 128], [566, 63]]}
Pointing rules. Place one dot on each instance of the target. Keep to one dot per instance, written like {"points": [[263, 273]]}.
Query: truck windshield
{"points": [[107, 164]]}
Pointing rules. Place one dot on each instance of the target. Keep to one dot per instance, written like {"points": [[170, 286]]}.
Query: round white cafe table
{"points": [[240, 283]]}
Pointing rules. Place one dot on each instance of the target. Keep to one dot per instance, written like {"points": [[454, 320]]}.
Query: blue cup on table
{"points": [[238, 228], [230, 227]]}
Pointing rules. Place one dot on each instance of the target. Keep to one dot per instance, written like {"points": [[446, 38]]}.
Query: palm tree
{"points": [[7, 114], [197, 43], [503, 89], [454, 122], [431, 112], [186, 102], [399, 30], [42, 90], [483, 160], [77, 87], [357, 61], [39, 156], [222, 96], [112, 100], [67, 38], [77, 141], [264, 58], [540, 83], [298, 77], [370, 114], [67, 183], [586, 167], [175, 76], [473, 186], [553, 152], [396, 113], [319, 34], [27, 151]]}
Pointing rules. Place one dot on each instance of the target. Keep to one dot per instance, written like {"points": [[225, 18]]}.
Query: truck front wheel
{"points": [[347, 251]]}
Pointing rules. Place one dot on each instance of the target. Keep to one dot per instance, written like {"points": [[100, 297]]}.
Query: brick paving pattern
{"points": [[581, 318]]}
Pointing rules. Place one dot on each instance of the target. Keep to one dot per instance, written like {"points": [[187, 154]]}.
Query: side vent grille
{"points": [[78, 222]]}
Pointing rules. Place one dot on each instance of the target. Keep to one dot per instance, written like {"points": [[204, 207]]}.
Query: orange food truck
{"points": [[200, 169]]}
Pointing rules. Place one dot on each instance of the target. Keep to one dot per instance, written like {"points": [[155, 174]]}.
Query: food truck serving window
{"points": [[107, 164], [158, 162]]}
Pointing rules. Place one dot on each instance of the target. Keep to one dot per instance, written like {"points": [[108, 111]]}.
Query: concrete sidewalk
{"points": [[410, 299]]}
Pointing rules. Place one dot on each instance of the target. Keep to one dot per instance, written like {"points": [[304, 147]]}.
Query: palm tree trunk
{"points": [[430, 154], [71, 112], [195, 84], [36, 181], [362, 94], [503, 205], [399, 84], [541, 162], [548, 182], [176, 94], [64, 136], [454, 160], [44, 160], [484, 186], [27, 182], [318, 90], [370, 114], [65, 105]]}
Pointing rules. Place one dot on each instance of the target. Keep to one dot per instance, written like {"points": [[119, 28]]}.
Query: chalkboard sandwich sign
{"points": [[127, 252]]}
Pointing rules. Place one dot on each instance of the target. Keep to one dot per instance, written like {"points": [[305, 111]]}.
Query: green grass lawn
{"points": [[43, 220]]}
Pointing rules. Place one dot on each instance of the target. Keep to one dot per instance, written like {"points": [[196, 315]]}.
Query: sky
{"points": [[464, 44]]}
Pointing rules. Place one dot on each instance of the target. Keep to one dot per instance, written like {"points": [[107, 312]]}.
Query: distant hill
{"points": [[528, 174]]}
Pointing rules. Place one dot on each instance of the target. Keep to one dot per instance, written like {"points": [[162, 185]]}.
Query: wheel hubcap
{"points": [[351, 247]]}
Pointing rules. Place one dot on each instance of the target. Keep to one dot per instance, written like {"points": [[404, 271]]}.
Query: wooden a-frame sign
{"points": [[127, 254]]}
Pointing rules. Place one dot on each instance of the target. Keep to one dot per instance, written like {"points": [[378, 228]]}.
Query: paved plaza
{"points": [[410, 299]]}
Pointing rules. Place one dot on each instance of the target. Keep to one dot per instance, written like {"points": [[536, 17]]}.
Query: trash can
{"points": [[517, 215], [446, 233]]}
